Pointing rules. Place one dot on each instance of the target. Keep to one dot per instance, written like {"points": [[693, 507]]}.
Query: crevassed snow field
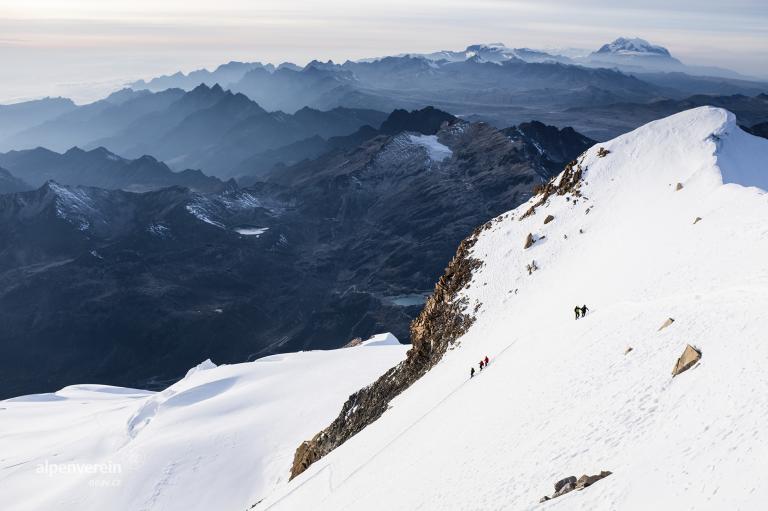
{"points": [[560, 396], [221, 438]]}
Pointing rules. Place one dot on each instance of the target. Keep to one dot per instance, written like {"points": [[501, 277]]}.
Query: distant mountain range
{"points": [[206, 128], [21, 116], [133, 288], [289, 87], [242, 118], [103, 169]]}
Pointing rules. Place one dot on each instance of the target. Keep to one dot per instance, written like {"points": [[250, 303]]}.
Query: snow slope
{"points": [[560, 397], [436, 150], [221, 438]]}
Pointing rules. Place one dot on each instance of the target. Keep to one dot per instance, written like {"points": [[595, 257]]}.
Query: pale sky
{"points": [[85, 48]]}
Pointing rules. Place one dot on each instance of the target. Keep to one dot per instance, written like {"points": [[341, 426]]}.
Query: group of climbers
{"points": [[483, 363], [580, 311]]}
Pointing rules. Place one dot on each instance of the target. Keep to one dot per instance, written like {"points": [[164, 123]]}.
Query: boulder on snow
{"points": [[548, 219], [602, 152], [666, 323], [678, 187], [563, 482], [570, 483], [587, 480], [697, 220], [629, 348], [529, 241], [687, 360]]}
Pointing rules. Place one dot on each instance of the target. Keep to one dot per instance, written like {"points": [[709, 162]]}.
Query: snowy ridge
{"points": [[220, 438], [73, 205], [563, 397]]}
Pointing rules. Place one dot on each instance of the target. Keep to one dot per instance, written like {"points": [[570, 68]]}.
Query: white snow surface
{"points": [[252, 231], [221, 438], [386, 339], [560, 397], [436, 150]]}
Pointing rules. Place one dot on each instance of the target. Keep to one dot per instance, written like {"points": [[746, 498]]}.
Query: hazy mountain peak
{"points": [[633, 46]]}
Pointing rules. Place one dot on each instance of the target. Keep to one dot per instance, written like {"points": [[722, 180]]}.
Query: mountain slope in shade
{"points": [[664, 222], [189, 446], [10, 183], [759, 130], [130, 289]]}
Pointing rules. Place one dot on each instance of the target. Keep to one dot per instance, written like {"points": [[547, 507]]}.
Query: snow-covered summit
{"points": [[633, 46], [667, 221], [634, 55]]}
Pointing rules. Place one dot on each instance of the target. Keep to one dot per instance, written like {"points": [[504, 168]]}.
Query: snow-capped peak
{"points": [[633, 46]]}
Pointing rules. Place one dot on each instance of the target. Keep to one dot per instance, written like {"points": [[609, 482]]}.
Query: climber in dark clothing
{"points": [[584, 311], [481, 365], [577, 310], [486, 361], [471, 372]]}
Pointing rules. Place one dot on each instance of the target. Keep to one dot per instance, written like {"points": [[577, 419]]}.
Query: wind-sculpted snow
{"points": [[564, 397], [220, 438]]}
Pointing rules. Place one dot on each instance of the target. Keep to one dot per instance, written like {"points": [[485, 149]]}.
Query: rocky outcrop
{"points": [[548, 219], [566, 481], [569, 181], [441, 322], [357, 341], [688, 359], [568, 484], [602, 152], [529, 240], [678, 187]]}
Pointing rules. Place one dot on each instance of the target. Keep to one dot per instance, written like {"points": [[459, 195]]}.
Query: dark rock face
{"points": [[427, 121], [563, 482], [441, 322]]}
